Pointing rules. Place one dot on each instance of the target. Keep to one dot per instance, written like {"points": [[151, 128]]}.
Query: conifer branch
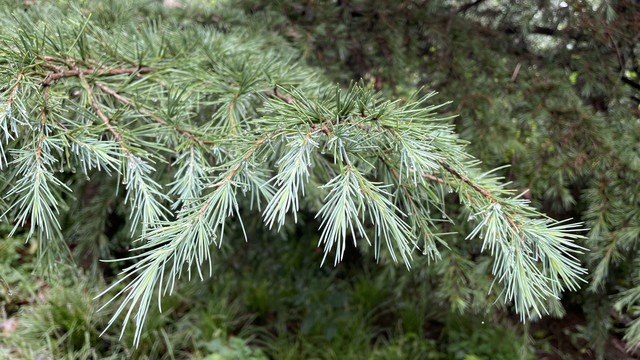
{"points": [[385, 164], [155, 118], [142, 192], [184, 241], [59, 73]]}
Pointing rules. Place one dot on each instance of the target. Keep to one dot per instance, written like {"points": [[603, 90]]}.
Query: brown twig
{"points": [[479, 189], [96, 107], [433, 178], [52, 58], [465, 180], [286, 98], [14, 88], [315, 128], [59, 73], [155, 118], [39, 148]]}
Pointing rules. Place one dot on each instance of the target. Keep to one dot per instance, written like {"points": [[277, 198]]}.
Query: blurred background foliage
{"points": [[549, 88]]}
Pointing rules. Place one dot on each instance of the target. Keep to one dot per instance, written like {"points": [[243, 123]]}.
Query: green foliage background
{"points": [[550, 89]]}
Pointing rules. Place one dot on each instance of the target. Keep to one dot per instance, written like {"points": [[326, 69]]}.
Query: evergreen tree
{"points": [[549, 88], [201, 130]]}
